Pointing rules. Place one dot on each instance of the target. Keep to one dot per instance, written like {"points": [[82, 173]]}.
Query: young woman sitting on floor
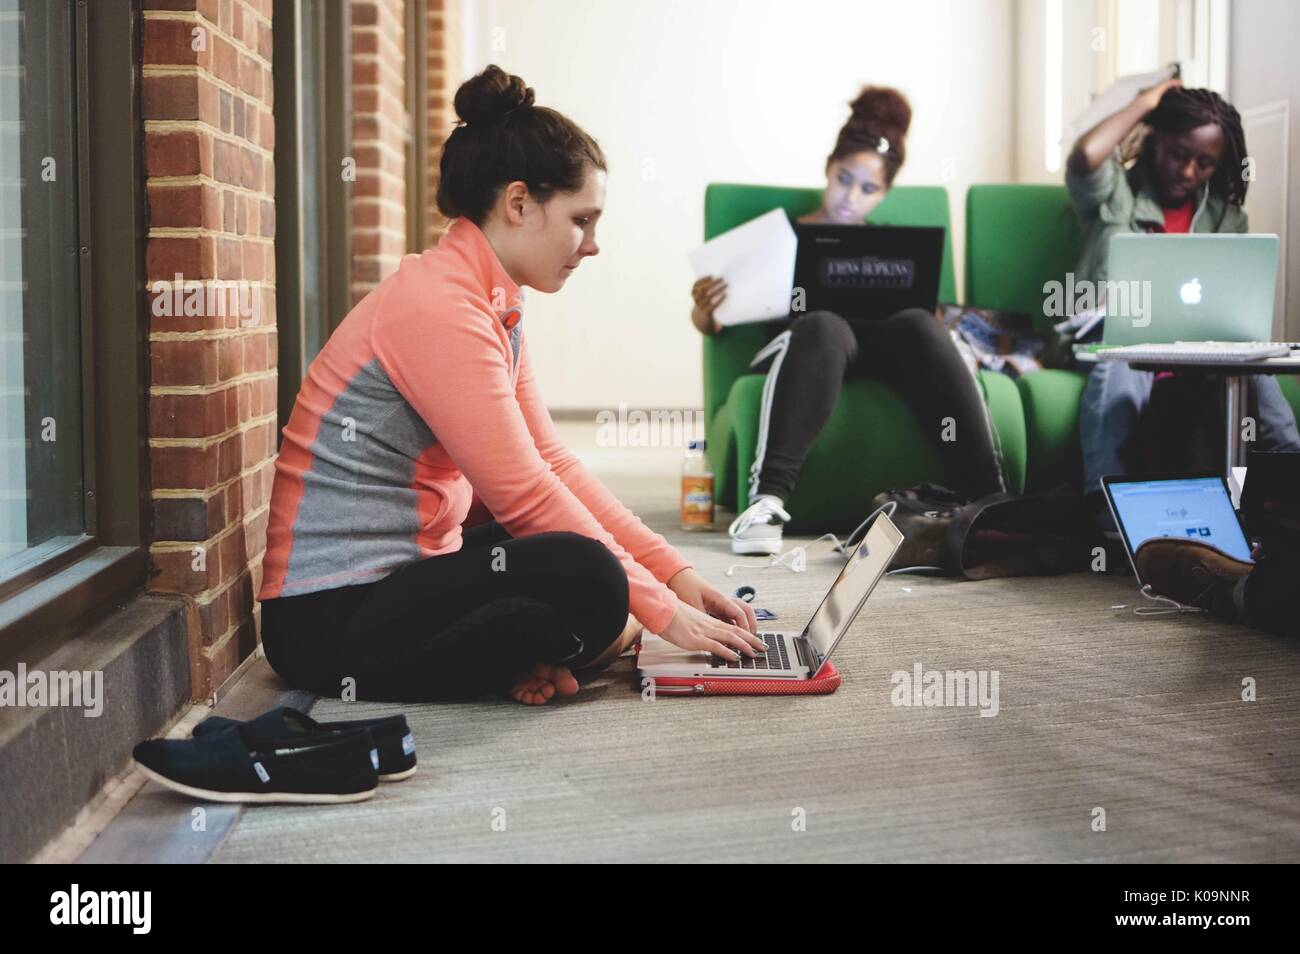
{"points": [[423, 401]]}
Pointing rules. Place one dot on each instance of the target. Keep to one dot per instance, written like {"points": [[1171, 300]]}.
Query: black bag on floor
{"points": [[1010, 535], [923, 513], [997, 535]]}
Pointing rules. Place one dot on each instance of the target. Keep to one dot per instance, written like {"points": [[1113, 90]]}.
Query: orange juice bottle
{"points": [[697, 489]]}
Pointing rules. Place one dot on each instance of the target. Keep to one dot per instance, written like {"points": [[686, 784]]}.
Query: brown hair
{"points": [[879, 122], [503, 137]]}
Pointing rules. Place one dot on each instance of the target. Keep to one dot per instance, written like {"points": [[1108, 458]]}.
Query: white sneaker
{"points": [[758, 529]]}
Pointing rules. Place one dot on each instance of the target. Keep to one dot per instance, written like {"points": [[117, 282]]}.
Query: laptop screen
{"points": [[868, 271], [1190, 287], [1197, 508], [851, 588]]}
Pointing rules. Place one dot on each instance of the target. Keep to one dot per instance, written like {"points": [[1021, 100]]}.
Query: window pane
{"points": [[311, 139], [41, 473]]}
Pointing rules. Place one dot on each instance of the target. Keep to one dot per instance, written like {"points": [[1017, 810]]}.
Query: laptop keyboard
{"points": [[777, 656], [1206, 352]]}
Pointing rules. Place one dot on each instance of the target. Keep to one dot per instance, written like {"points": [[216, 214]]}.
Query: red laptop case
{"points": [[828, 681]]}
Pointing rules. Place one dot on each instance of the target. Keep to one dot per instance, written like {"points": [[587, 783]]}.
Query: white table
{"points": [[1234, 377]]}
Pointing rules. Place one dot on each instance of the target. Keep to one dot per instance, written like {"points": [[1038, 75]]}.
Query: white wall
{"points": [[1264, 85], [683, 93], [1098, 41], [1080, 64]]}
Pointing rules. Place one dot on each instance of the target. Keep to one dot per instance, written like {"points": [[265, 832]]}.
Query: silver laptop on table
{"points": [[1190, 288], [790, 655]]}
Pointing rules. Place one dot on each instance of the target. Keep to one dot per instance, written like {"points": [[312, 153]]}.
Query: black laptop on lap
{"points": [[868, 271]]}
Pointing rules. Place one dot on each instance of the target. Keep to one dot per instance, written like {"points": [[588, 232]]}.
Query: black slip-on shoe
{"points": [[233, 766], [392, 735]]}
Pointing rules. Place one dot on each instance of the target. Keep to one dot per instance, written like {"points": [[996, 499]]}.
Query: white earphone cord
{"points": [[1173, 606], [798, 556]]}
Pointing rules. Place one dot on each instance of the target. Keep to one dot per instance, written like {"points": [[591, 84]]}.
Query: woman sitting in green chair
{"points": [[809, 354]]}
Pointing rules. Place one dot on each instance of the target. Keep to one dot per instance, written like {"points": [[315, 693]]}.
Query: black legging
{"points": [[453, 626], [911, 351], [1269, 595]]}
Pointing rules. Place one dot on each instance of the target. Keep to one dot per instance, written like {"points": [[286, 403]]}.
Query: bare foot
{"points": [[538, 687]]}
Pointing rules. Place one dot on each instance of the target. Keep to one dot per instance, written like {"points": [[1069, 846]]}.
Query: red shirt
{"points": [[1179, 219]]}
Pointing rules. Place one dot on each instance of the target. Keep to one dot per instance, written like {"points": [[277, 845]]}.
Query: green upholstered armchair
{"points": [[873, 441], [1017, 238]]}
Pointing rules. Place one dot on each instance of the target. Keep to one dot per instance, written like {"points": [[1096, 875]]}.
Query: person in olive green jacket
{"points": [[1173, 160]]}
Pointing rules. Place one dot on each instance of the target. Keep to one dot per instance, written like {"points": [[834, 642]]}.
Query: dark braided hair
{"points": [[1181, 110], [879, 122]]}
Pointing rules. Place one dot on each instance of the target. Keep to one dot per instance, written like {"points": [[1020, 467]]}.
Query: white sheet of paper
{"points": [[1111, 100], [757, 261]]}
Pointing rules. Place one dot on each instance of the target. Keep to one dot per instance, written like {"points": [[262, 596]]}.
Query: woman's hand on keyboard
{"points": [[697, 631], [692, 588]]}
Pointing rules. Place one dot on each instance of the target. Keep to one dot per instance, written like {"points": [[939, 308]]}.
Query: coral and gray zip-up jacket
{"points": [[421, 399]]}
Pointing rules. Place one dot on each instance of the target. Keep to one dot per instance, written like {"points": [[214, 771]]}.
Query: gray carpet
{"points": [[1098, 709]]}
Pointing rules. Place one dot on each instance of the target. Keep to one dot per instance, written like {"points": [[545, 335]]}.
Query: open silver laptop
{"points": [[791, 655], [1186, 288], [1187, 506]]}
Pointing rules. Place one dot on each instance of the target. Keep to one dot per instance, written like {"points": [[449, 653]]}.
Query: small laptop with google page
{"points": [[1192, 507]]}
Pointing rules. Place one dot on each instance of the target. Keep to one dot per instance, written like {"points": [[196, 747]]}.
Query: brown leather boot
{"points": [[1191, 572], [923, 514]]}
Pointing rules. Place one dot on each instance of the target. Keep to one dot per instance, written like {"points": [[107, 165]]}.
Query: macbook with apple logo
{"points": [[1190, 288]]}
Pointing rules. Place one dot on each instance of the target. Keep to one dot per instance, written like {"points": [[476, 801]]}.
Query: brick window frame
{"points": [[208, 102], [418, 197], [442, 79], [49, 601], [313, 199]]}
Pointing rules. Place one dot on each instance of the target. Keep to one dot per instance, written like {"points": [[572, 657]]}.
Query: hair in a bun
{"points": [[491, 96], [879, 121], [504, 137]]}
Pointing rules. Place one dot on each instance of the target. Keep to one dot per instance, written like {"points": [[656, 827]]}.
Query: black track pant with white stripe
{"points": [[807, 364]]}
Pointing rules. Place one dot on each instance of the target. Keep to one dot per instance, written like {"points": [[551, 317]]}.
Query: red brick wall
{"points": [[380, 126], [210, 144], [444, 72], [210, 137]]}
